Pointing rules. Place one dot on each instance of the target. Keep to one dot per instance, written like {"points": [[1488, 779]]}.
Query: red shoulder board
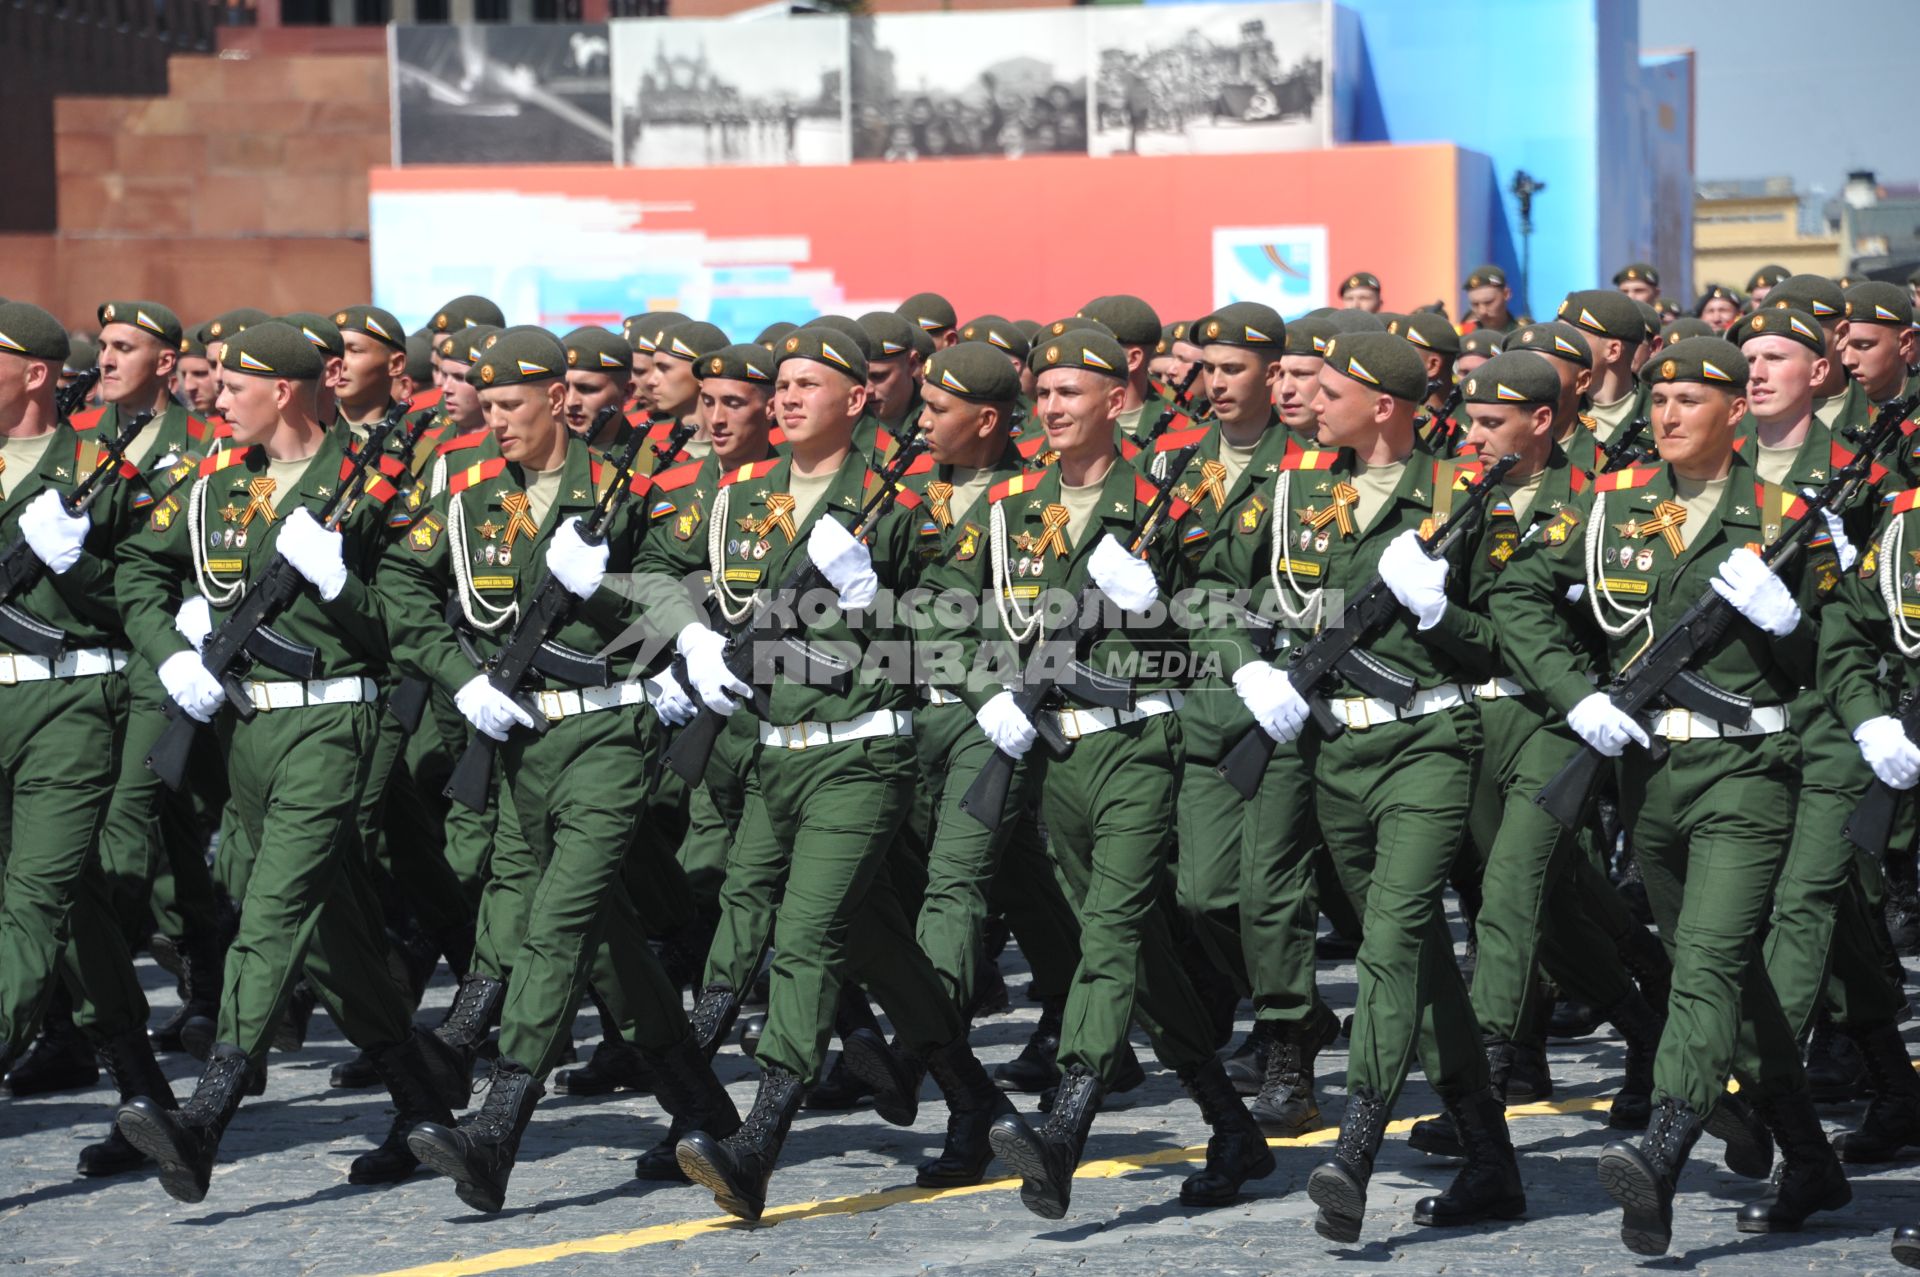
{"points": [[776, 437], [1144, 491], [218, 461], [1031, 448], [1739, 443], [1464, 470], [1901, 502], [1173, 441], [641, 485], [1621, 480], [658, 431], [378, 488], [1784, 504], [905, 498], [222, 428], [390, 465], [678, 477], [1579, 480], [1298, 458], [86, 420], [426, 399], [883, 442], [1013, 487], [1129, 449], [128, 470], [1841, 457], [471, 439], [478, 472], [1158, 387], [752, 470], [198, 429], [922, 464]]}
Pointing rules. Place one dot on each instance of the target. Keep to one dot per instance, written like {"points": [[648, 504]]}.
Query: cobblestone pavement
{"points": [[844, 1204]]}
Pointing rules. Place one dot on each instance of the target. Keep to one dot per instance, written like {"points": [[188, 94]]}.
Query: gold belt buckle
{"points": [[9, 672], [257, 693], [551, 705], [793, 736], [1359, 718], [1679, 724]]}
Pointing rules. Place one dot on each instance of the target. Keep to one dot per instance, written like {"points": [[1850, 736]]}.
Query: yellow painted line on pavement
{"points": [[859, 1204]]}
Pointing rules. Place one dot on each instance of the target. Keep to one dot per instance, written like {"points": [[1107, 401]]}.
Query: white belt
{"points": [[1684, 724], [938, 695], [565, 704], [809, 735], [1494, 688], [1361, 712], [21, 668], [349, 689], [1075, 723]]}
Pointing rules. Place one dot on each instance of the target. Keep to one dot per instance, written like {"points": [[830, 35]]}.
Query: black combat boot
{"points": [[1643, 1179], [1646, 960], [684, 1083], [355, 1073], [1519, 1070], [1236, 1150], [615, 1065], [974, 1103], [884, 1073], [128, 1060], [1892, 1122], [737, 1168], [713, 1016], [1045, 1160], [842, 1088], [1339, 1186], [1749, 1144], [478, 1154], [1571, 1019], [1286, 1105], [191, 1027], [1036, 1068], [1808, 1178], [291, 1033], [410, 1074], [1247, 1065], [60, 1059], [1488, 1186], [1440, 1136], [1906, 1245], [1640, 1027], [475, 1010], [989, 990], [1836, 1072], [184, 1140]]}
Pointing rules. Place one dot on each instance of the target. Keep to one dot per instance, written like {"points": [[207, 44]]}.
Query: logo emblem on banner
{"points": [[1283, 266]]}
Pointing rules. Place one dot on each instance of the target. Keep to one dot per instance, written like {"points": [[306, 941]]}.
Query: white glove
{"points": [[1841, 546], [669, 700], [575, 564], [192, 687], [1419, 582], [844, 562], [1884, 744], [489, 709], [194, 620], [54, 535], [705, 654], [1604, 725], [1010, 731], [1269, 695], [314, 552], [1121, 577], [1745, 582]]}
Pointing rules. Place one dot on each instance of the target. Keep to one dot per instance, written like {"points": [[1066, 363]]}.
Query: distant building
{"points": [[1738, 227], [1879, 227]]}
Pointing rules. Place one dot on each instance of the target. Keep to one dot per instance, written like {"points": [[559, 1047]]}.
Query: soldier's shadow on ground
{"points": [[331, 1193], [59, 1189]]}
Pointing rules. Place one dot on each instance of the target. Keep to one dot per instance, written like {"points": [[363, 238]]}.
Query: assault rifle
{"points": [[1182, 397], [1625, 450]]}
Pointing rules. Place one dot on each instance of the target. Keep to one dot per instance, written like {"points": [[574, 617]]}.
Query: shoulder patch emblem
{"points": [[164, 514], [966, 543], [425, 533]]}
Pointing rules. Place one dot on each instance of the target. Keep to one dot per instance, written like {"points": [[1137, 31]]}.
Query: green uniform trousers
{"points": [[510, 875], [1710, 826], [1393, 803], [1028, 895], [1582, 904], [1278, 843], [58, 759], [402, 824], [1207, 871], [307, 905], [1109, 807], [466, 836], [751, 872]]}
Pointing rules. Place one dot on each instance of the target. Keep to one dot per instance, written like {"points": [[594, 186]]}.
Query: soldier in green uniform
{"points": [[1615, 331], [894, 368], [1136, 327], [1720, 306], [1475, 349], [673, 388], [196, 382], [640, 332], [1762, 282], [1361, 291], [1639, 280], [1709, 821], [1489, 301], [933, 315], [307, 898], [599, 376], [1837, 402], [1879, 347], [66, 713], [1297, 383]]}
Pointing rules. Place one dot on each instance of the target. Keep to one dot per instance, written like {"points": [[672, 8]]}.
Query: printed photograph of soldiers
{"points": [[481, 93]]}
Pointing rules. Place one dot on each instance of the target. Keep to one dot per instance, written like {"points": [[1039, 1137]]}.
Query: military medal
{"points": [[779, 515], [1321, 542], [1053, 532], [488, 552], [1306, 538], [1669, 516], [1213, 483], [1644, 560], [519, 520], [259, 501], [488, 529], [506, 557], [760, 548], [1249, 518]]}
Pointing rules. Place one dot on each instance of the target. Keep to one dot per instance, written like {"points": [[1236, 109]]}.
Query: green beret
{"points": [[237, 320], [1767, 277], [1684, 327], [690, 340], [929, 311], [1718, 292], [1388, 363], [594, 349], [1846, 282], [1092, 349], [151, 316], [1643, 271], [1781, 321], [1360, 279], [747, 361], [1131, 320], [1711, 361], [1556, 337], [1514, 376], [1356, 321], [84, 353], [891, 334], [1169, 333], [468, 311], [318, 329], [1605, 312], [1080, 323], [468, 345], [273, 348], [774, 332], [1249, 325], [420, 358], [1309, 334], [1876, 302], [1031, 327], [642, 331], [1003, 334], [1482, 341], [1391, 318], [374, 322], [1429, 332], [975, 371], [824, 345], [1815, 294], [851, 327], [1650, 317], [193, 342], [28, 332], [522, 354], [1485, 276]]}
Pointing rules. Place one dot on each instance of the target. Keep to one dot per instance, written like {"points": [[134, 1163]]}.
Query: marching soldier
{"points": [[933, 315], [895, 368], [1615, 332], [1489, 301], [1361, 291], [1639, 280]]}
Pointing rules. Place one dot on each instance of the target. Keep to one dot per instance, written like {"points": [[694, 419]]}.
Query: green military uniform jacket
{"points": [[1875, 614], [183, 440]]}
